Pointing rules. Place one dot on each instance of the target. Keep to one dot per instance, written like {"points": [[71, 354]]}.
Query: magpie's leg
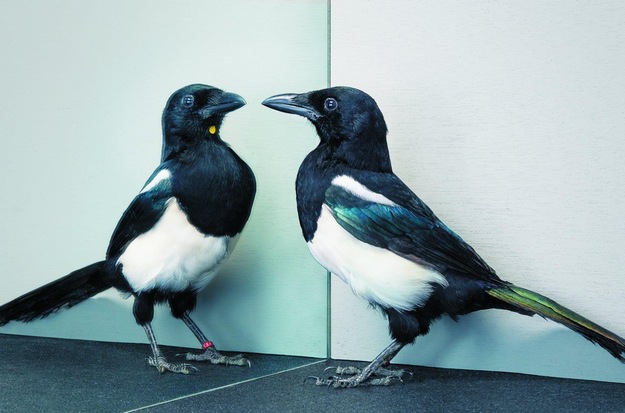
{"points": [[381, 371], [181, 305], [372, 375], [159, 361], [143, 311], [210, 352]]}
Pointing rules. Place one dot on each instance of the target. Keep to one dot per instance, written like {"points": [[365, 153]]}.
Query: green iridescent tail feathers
{"points": [[545, 307]]}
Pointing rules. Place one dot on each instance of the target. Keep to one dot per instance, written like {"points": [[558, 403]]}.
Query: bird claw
{"points": [[162, 365], [338, 382], [322, 382], [344, 370], [356, 381], [381, 377], [350, 370], [215, 357]]}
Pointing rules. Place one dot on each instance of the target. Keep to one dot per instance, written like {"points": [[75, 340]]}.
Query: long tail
{"points": [[545, 307], [62, 293]]}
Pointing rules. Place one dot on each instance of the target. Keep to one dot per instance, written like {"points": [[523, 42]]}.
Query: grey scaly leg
{"points": [[159, 361], [210, 352], [372, 375]]}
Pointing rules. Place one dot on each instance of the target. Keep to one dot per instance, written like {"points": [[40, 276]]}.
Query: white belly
{"points": [[375, 274], [174, 255]]}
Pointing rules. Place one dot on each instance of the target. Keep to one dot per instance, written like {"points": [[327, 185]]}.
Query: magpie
{"points": [[175, 234], [362, 223]]}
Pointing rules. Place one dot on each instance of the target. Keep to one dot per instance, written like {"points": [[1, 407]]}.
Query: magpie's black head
{"points": [[348, 121], [195, 113]]}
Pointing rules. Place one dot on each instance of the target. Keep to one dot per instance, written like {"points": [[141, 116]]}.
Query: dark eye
{"points": [[188, 100], [330, 104]]}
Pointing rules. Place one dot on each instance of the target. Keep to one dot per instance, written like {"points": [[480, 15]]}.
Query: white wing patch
{"points": [[351, 185], [375, 274], [162, 175], [174, 255]]}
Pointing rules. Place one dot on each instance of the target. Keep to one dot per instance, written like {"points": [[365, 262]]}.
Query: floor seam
{"points": [[188, 396]]}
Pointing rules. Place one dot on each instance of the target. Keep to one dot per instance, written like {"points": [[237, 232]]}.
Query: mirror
{"points": [[84, 86]]}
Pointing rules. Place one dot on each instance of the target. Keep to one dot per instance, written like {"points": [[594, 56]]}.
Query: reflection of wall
{"points": [[507, 119], [83, 86]]}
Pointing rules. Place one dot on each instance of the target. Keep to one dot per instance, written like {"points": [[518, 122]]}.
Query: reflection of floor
{"points": [[43, 374]]}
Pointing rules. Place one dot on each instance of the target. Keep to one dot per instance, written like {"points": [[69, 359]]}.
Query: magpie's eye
{"points": [[330, 104], [188, 100]]}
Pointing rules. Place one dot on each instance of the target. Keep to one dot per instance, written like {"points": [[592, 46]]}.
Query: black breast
{"points": [[215, 188]]}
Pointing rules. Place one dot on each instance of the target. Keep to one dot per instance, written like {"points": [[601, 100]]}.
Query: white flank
{"points": [[375, 274], [174, 255], [351, 185], [160, 176]]}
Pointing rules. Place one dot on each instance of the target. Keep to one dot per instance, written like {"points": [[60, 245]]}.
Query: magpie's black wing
{"points": [[403, 224], [143, 212]]}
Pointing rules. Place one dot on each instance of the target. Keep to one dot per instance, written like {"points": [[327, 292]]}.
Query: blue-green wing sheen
{"points": [[411, 232]]}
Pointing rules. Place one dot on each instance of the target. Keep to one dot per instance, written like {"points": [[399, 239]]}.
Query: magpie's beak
{"points": [[293, 103], [228, 102]]}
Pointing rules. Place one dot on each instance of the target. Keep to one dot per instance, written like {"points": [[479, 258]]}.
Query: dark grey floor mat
{"points": [[43, 374]]}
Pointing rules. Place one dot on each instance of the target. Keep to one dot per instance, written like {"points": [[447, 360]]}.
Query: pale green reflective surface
{"points": [[83, 86]]}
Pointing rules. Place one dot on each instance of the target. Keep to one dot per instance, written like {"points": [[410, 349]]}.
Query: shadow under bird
{"points": [[362, 223], [175, 234]]}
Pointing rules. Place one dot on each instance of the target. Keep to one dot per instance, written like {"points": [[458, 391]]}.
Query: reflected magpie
{"points": [[175, 234]]}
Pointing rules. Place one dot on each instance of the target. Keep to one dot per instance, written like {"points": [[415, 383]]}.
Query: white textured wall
{"points": [[82, 88], [508, 119]]}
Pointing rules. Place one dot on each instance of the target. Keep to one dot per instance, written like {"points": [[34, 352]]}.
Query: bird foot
{"points": [[381, 371], [212, 355], [162, 365], [380, 377]]}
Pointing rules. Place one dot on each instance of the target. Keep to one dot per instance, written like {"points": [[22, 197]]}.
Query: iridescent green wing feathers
{"points": [[410, 230]]}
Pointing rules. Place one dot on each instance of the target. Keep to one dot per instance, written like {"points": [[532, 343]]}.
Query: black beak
{"points": [[292, 103], [227, 103]]}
